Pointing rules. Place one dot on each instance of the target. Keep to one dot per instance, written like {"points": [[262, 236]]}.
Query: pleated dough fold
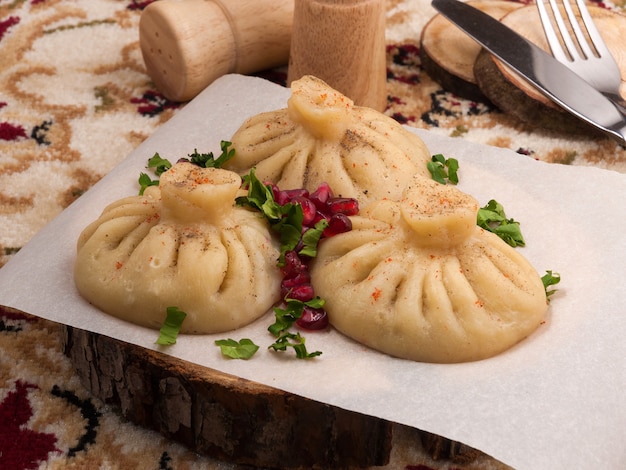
{"points": [[322, 137], [183, 244], [418, 279]]}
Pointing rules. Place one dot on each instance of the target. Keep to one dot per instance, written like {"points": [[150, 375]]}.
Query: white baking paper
{"points": [[555, 401]]}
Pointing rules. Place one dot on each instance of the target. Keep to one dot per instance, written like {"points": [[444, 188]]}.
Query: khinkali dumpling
{"points": [[322, 137], [183, 244], [418, 279]]}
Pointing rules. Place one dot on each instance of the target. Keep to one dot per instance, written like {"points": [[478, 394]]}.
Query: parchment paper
{"points": [[556, 400]]}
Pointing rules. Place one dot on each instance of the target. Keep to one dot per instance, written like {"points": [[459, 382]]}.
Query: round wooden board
{"points": [[448, 54], [517, 103], [515, 96]]}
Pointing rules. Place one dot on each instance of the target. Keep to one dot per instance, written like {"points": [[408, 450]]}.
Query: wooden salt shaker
{"points": [[187, 44], [343, 43]]}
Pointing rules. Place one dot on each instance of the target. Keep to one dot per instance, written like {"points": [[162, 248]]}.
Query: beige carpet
{"points": [[74, 101]]}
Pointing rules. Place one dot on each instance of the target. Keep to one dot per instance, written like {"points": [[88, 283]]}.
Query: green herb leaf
{"points": [[296, 342], [453, 170], [207, 160], [226, 154], [442, 169], [289, 228], [243, 349], [286, 220], [160, 165], [311, 238], [286, 317], [171, 326], [200, 159], [550, 279], [492, 218], [260, 197], [145, 181]]}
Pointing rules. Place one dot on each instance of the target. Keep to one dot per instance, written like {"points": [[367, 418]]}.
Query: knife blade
{"points": [[549, 76]]}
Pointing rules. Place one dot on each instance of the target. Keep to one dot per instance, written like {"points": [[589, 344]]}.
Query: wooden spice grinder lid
{"points": [[187, 44]]}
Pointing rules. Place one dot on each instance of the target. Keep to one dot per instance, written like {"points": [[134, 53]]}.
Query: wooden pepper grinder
{"points": [[343, 43], [187, 44]]}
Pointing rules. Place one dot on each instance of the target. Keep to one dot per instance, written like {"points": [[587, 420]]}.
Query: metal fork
{"points": [[590, 59]]}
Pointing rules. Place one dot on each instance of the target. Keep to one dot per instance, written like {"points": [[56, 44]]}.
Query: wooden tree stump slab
{"points": [[515, 96], [223, 416], [448, 54], [242, 422], [514, 101]]}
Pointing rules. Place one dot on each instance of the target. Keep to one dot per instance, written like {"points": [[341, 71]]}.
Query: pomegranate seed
{"points": [[343, 205], [296, 193], [313, 319], [303, 293], [293, 265], [338, 223], [279, 196], [321, 196], [309, 210], [319, 216], [298, 279], [300, 244]]}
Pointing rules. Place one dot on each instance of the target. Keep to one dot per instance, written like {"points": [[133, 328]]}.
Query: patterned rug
{"points": [[75, 99]]}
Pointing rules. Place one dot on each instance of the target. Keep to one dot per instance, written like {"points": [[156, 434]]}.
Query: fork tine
{"points": [[551, 36], [587, 51], [568, 50], [591, 58], [594, 34], [570, 47]]}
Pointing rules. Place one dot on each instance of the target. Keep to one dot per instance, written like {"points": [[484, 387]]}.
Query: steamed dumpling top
{"points": [[322, 137], [418, 279], [182, 244]]}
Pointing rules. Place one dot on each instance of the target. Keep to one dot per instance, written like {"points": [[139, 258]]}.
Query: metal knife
{"points": [[548, 75]]}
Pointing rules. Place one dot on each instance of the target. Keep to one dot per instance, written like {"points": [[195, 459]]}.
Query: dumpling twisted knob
{"points": [[322, 111], [191, 193], [439, 215]]}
